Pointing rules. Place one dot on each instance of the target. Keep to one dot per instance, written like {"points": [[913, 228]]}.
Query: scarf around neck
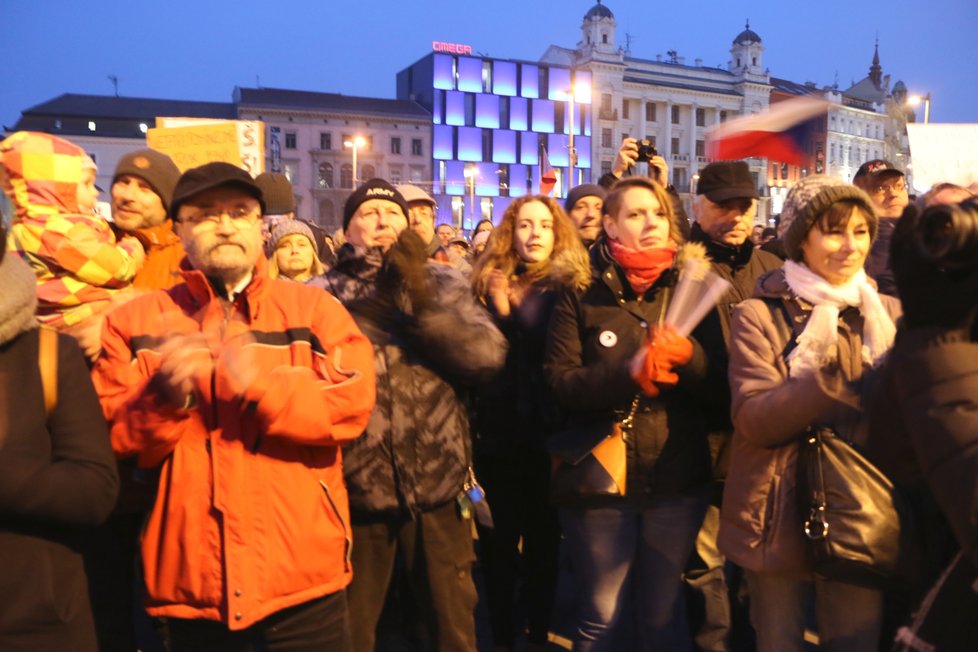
{"points": [[643, 267], [18, 300], [817, 343]]}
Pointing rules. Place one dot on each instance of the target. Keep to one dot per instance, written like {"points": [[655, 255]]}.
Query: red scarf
{"points": [[643, 267]]}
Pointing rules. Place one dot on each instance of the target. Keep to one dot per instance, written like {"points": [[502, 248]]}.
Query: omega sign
{"points": [[451, 48]]}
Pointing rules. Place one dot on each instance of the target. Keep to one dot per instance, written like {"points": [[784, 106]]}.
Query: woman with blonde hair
{"points": [[533, 253], [294, 252]]}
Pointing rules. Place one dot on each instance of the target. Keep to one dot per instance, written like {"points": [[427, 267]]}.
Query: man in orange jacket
{"points": [[241, 388]]}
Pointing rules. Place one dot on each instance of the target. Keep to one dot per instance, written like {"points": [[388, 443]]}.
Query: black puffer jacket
{"points": [[414, 453], [593, 336]]}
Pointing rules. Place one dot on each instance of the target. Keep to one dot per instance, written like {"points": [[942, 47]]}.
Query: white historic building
{"points": [[670, 100]]}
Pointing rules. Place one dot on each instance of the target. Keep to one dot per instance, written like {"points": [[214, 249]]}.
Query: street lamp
{"points": [[914, 100], [470, 173], [572, 95], [355, 144]]}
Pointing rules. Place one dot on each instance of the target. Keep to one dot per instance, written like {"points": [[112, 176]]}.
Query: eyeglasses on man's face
{"points": [[212, 216], [895, 188]]}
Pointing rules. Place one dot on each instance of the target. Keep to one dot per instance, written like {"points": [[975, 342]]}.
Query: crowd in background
{"points": [[224, 428]]}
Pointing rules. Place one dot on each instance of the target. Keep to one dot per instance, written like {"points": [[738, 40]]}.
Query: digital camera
{"points": [[646, 150], [947, 235]]}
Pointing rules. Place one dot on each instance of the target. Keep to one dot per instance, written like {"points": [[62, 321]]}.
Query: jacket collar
{"points": [[205, 290], [161, 235], [605, 270], [720, 253]]}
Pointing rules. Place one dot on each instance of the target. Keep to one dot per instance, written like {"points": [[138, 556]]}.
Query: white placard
{"points": [[943, 152]]}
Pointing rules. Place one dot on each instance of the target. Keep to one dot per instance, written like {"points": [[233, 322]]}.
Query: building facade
{"points": [[667, 100], [498, 128], [309, 137]]}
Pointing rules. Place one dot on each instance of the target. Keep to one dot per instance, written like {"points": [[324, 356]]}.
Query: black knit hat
{"points": [[809, 199], [277, 191], [155, 168], [373, 189], [209, 176], [584, 190], [725, 180]]}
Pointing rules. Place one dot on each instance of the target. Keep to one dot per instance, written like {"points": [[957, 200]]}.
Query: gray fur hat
{"points": [[809, 199]]}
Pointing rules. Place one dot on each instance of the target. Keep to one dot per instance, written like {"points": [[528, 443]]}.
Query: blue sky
{"points": [[201, 50]]}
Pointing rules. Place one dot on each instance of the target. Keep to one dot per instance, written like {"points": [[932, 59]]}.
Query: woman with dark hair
{"points": [[609, 358], [533, 253], [57, 474], [799, 350]]}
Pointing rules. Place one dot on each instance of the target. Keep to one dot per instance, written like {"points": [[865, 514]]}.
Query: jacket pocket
{"points": [[347, 538]]}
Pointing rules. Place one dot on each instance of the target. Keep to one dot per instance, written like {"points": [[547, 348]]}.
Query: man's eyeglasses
{"points": [[239, 216], [895, 188]]}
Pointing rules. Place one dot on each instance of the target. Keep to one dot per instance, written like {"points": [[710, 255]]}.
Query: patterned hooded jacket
{"points": [[415, 452], [77, 261]]}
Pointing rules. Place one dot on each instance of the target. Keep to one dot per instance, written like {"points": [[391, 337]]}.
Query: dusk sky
{"points": [[201, 50]]}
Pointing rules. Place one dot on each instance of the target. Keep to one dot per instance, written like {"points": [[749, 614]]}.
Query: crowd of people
{"points": [[226, 429]]}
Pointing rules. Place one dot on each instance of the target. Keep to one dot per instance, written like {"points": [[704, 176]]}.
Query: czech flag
{"points": [[783, 133], [548, 178]]}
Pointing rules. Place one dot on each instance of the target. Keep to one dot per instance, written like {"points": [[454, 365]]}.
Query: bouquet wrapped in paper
{"points": [[697, 292]]}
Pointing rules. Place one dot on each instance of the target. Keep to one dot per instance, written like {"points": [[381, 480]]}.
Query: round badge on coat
{"points": [[607, 339]]}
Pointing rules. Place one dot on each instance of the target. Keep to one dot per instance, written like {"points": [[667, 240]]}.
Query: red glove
{"points": [[664, 350]]}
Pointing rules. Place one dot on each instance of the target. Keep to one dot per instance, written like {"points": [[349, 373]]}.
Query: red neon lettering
{"points": [[451, 48]]}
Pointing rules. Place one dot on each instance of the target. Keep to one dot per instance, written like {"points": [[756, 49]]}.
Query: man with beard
{"points": [[887, 187], [241, 388], [724, 211], [583, 206]]}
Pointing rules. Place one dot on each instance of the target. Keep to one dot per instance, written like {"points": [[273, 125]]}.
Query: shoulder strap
{"points": [[783, 316], [47, 361]]}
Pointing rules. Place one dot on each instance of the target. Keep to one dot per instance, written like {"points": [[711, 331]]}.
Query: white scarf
{"points": [[818, 343]]}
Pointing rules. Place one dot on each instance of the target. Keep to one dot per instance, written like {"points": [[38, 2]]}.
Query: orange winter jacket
{"points": [[251, 516]]}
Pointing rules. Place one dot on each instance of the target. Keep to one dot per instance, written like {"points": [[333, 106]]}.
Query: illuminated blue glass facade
{"points": [[491, 122]]}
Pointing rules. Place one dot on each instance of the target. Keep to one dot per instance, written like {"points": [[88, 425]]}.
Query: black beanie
{"points": [[584, 190], [373, 189], [155, 168]]}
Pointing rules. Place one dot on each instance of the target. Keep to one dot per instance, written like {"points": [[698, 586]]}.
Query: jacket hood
{"points": [[570, 269], [43, 172]]}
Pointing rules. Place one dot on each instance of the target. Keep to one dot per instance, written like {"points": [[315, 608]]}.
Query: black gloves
{"points": [[403, 273]]}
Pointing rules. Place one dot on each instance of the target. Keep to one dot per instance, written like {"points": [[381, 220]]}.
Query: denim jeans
{"points": [[609, 546], [848, 617]]}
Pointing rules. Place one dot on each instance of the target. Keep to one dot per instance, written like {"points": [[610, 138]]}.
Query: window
{"points": [[604, 39], [700, 148], [91, 125], [723, 116], [605, 167], [346, 176], [289, 140], [325, 175], [367, 172], [624, 109], [675, 147], [416, 147], [291, 172], [396, 145], [325, 141], [606, 138], [700, 117], [650, 111], [395, 175], [606, 102], [675, 115]]}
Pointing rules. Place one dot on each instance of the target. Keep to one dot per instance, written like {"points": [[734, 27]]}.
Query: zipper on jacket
{"points": [[348, 541]]}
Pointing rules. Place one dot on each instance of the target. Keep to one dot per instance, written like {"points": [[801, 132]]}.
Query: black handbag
{"points": [[590, 459], [859, 526]]}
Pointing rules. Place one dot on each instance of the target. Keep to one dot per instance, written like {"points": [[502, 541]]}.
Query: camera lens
{"points": [[948, 235]]}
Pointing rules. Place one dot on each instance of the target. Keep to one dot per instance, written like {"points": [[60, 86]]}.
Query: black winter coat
{"points": [[57, 476], [593, 336], [416, 450], [741, 266]]}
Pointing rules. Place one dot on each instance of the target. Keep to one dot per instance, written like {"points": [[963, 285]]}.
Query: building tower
{"points": [[746, 54], [598, 31]]}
